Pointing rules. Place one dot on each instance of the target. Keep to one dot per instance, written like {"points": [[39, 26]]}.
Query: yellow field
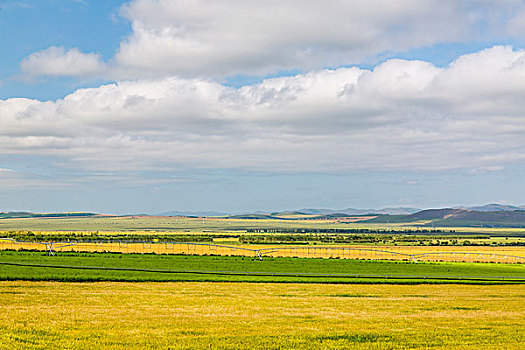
{"points": [[511, 254], [47, 315]]}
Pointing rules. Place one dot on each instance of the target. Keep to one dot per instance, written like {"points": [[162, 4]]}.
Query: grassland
{"points": [[44, 315], [155, 224], [140, 267]]}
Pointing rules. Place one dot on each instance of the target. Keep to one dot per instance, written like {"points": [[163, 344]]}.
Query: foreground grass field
{"points": [[139, 267], [52, 315]]}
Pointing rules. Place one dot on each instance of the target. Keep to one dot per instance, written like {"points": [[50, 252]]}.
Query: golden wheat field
{"points": [[501, 254], [52, 315]]}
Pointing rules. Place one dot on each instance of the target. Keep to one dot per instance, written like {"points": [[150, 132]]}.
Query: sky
{"points": [[148, 106]]}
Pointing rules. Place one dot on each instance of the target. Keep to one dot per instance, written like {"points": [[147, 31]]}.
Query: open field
{"points": [[43, 315], [304, 294], [243, 238], [500, 254], [155, 224], [140, 267]]}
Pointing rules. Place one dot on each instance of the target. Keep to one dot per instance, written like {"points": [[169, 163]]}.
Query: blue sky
{"points": [[150, 105], [30, 26]]}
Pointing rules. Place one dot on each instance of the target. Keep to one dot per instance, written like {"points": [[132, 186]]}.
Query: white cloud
{"points": [[403, 115], [224, 38], [57, 61], [221, 38]]}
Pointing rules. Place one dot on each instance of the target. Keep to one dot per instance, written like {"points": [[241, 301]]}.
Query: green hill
{"points": [[26, 215]]}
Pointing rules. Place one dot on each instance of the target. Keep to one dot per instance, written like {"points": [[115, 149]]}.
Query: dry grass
{"points": [[259, 316]]}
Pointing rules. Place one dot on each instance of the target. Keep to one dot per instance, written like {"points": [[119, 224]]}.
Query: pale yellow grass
{"points": [[50, 315]]}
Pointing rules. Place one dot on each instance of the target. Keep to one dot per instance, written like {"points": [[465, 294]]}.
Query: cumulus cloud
{"points": [[224, 38], [57, 61], [402, 115], [221, 38]]}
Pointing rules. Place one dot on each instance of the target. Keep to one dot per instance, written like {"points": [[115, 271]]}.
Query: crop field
{"points": [[501, 254], [298, 289], [142, 267], [155, 224], [44, 315]]}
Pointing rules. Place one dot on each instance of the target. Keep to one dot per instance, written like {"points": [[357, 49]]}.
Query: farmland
{"points": [[140, 267], [160, 224], [151, 282], [154, 224], [487, 254], [269, 237], [39, 315]]}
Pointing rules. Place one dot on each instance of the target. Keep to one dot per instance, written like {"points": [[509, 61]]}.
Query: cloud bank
{"points": [[402, 115], [218, 39], [221, 38]]}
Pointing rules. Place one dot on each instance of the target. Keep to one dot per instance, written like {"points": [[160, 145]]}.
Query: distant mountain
{"points": [[254, 216], [394, 211], [310, 211], [193, 213], [397, 211], [353, 211], [500, 218], [453, 217], [285, 213], [433, 214], [495, 207]]}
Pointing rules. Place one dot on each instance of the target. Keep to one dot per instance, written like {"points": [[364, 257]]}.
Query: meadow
{"points": [[44, 315]]}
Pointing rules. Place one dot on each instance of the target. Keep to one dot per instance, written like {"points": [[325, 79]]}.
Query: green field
{"points": [[148, 267]]}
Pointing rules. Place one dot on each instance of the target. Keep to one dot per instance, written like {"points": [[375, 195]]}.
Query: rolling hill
{"points": [[449, 217], [490, 215], [495, 207], [26, 215]]}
